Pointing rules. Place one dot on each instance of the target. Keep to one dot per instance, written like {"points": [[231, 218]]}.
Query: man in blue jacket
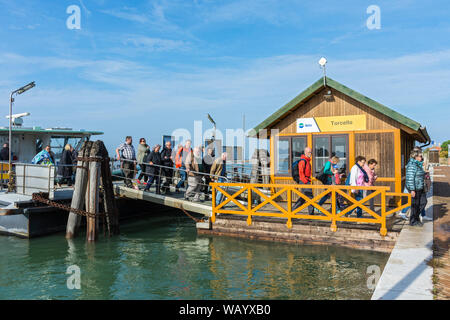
{"points": [[415, 183]]}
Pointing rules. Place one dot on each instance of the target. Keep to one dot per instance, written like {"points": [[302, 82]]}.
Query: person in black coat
{"points": [[4, 153], [65, 167], [167, 161], [207, 162], [154, 172]]}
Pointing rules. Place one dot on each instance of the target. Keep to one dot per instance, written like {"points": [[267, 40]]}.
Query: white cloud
{"points": [[155, 44], [409, 84], [126, 15]]}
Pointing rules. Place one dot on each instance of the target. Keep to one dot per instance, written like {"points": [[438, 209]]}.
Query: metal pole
{"points": [[10, 143]]}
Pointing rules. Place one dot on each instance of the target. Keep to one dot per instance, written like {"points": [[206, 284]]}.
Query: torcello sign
{"points": [[331, 124]]}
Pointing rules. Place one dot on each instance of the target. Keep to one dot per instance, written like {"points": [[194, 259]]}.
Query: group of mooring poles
{"points": [[93, 183]]}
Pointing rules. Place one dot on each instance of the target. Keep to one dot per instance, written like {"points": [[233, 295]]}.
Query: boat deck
{"points": [[11, 200]]}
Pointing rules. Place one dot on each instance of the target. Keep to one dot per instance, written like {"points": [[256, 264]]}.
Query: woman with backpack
{"points": [[358, 176], [327, 177]]}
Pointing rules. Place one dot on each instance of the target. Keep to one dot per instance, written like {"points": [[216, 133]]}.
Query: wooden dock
{"points": [[177, 200]]}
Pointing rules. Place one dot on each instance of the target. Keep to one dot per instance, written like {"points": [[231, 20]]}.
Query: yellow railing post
{"points": [[249, 205], [289, 207], [383, 230], [213, 199], [333, 210]]}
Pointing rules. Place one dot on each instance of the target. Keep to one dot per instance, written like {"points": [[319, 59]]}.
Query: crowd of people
{"points": [[196, 168], [363, 174]]}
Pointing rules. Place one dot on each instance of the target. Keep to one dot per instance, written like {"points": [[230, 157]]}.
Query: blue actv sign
{"points": [[304, 125]]}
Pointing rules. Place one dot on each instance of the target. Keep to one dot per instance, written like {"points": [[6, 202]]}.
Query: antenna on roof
{"points": [[17, 118], [322, 63]]}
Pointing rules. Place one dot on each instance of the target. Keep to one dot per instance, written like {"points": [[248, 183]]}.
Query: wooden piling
{"points": [[93, 170], [92, 192], [111, 212], [78, 198]]}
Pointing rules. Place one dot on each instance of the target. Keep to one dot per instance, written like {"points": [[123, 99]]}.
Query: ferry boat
{"points": [[19, 215]]}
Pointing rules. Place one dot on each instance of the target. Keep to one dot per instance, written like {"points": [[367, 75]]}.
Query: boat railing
{"points": [[30, 178], [281, 202]]}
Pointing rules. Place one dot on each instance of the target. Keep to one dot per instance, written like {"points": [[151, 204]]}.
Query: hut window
{"points": [[298, 148], [289, 149], [326, 146], [282, 158], [339, 146], [321, 152]]}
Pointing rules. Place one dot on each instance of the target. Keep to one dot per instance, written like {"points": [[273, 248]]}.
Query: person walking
{"points": [[143, 151], [304, 172], [357, 178], [193, 163], [126, 154], [218, 173], [180, 161], [369, 167], [167, 162], [330, 171], [153, 169], [415, 183], [207, 162], [65, 166], [403, 213]]}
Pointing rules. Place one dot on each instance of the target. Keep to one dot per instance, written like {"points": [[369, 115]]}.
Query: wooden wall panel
{"points": [[378, 146]]}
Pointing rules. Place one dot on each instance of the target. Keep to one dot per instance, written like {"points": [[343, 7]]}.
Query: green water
{"points": [[164, 258]]}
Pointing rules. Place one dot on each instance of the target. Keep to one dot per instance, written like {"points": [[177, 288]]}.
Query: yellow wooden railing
{"points": [[231, 192]]}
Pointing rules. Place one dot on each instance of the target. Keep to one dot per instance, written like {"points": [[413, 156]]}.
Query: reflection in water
{"points": [[163, 258]]}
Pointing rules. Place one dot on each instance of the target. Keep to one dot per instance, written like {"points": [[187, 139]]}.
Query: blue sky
{"points": [[145, 68]]}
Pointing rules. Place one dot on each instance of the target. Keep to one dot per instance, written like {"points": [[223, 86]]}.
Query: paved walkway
{"points": [[407, 274], [441, 253]]}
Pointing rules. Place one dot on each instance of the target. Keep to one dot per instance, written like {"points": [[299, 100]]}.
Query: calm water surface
{"points": [[164, 258]]}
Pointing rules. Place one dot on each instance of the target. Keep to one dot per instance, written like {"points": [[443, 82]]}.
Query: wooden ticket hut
{"points": [[333, 119]]}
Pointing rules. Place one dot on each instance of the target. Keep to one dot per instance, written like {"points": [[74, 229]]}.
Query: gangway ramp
{"points": [[174, 200]]}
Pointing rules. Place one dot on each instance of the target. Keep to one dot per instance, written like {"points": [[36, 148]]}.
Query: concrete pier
{"points": [[407, 276]]}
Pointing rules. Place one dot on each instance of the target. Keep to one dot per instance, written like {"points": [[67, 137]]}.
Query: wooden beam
{"points": [[398, 160], [351, 150]]}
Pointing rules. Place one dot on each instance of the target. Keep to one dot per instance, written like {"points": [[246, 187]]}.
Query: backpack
{"points": [[294, 170], [322, 177], [347, 181]]}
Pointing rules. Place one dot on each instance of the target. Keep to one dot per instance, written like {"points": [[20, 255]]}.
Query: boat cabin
{"points": [[27, 142]]}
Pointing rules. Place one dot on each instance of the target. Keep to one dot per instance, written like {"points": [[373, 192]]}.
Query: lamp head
{"points": [[26, 88], [322, 62], [211, 119]]}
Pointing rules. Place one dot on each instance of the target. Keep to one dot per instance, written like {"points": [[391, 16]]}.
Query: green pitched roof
{"points": [[349, 92]]}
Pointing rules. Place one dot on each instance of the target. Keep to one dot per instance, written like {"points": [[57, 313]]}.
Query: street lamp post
{"points": [[214, 132], [11, 100]]}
